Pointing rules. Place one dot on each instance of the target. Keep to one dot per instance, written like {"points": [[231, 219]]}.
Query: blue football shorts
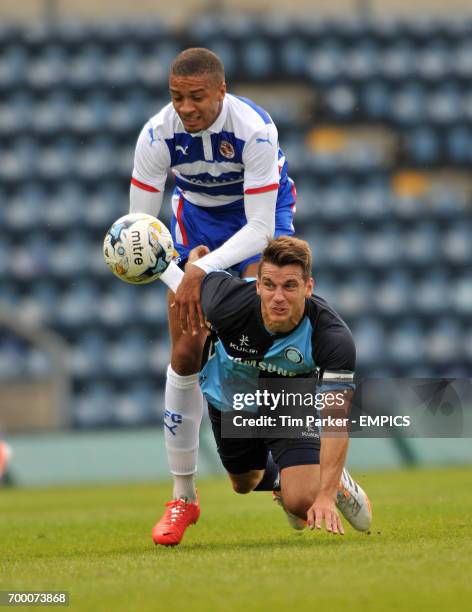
{"points": [[193, 225]]}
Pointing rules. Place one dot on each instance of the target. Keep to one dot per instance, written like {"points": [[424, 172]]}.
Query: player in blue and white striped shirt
{"points": [[232, 194]]}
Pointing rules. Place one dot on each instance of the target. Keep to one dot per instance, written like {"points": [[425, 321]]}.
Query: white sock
{"points": [[182, 418]]}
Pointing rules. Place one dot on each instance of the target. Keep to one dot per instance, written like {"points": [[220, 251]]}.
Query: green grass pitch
{"points": [[95, 542]]}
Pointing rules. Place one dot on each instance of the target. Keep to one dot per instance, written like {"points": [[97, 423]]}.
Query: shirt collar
{"points": [[217, 125]]}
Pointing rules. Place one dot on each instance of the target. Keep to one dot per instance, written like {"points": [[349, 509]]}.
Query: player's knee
{"points": [[298, 504], [186, 360], [242, 487]]}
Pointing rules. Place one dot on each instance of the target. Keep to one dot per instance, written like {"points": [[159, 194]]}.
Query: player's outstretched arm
{"points": [[249, 240], [334, 445]]}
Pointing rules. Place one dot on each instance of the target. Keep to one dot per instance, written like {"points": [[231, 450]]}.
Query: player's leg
{"points": [[183, 405], [298, 462], [182, 418], [300, 481], [247, 461], [300, 485]]}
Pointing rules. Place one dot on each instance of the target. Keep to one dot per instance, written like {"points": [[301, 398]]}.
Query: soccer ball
{"points": [[138, 248]]}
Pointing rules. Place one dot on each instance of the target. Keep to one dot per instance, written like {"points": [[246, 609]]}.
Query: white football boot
{"points": [[353, 503], [294, 521]]}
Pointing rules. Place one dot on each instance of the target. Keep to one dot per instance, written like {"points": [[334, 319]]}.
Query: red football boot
{"points": [[180, 513]]}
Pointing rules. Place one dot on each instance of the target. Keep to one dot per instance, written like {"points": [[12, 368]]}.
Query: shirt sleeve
{"points": [[260, 158], [335, 355], [218, 300], [151, 160]]}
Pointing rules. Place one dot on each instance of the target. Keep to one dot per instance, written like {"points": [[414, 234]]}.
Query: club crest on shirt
{"points": [[293, 355], [227, 149]]}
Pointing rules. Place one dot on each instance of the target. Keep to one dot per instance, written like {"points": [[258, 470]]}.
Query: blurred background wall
{"points": [[373, 102]]}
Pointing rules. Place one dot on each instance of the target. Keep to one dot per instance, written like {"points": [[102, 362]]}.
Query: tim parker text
{"points": [[285, 420]]}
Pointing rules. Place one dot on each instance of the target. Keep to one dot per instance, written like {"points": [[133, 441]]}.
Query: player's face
{"points": [[197, 100], [282, 291]]}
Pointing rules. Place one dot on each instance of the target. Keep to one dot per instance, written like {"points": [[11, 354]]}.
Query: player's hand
{"points": [[324, 509], [199, 251], [187, 301]]}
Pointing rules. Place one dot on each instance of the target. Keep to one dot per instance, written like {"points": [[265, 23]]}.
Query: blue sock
{"points": [[271, 479]]}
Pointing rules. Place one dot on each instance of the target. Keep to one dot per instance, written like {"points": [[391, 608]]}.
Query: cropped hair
{"points": [[197, 61], [285, 251]]}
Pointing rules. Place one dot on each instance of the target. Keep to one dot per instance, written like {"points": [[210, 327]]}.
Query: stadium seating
{"points": [[386, 212]]}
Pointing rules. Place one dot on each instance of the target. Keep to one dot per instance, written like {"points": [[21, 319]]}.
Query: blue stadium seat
{"points": [[457, 245], [68, 257], [135, 406], [460, 296], [325, 64], [128, 355], [461, 61], [293, 53], [376, 100], [423, 145], [397, 62], [13, 356], [341, 102], [382, 250], [151, 303], [159, 356], [336, 203], [420, 245], [257, 57], [32, 259], [361, 62], [408, 105], [47, 71], [392, 295], [87, 359], [66, 207], [342, 250], [94, 405], [406, 345], [87, 68], [38, 305], [120, 70], [459, 144], [13, 66], [25, 210], [373, 202], [354, 296], [444, 105], [370, 341], [78, 307], [444, 343], [37, 364], [118, 304], [433, 62], [432, 295], [104, 205]]}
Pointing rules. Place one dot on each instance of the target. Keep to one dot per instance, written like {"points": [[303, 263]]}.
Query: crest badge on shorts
{"points": [[227, 149]]}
